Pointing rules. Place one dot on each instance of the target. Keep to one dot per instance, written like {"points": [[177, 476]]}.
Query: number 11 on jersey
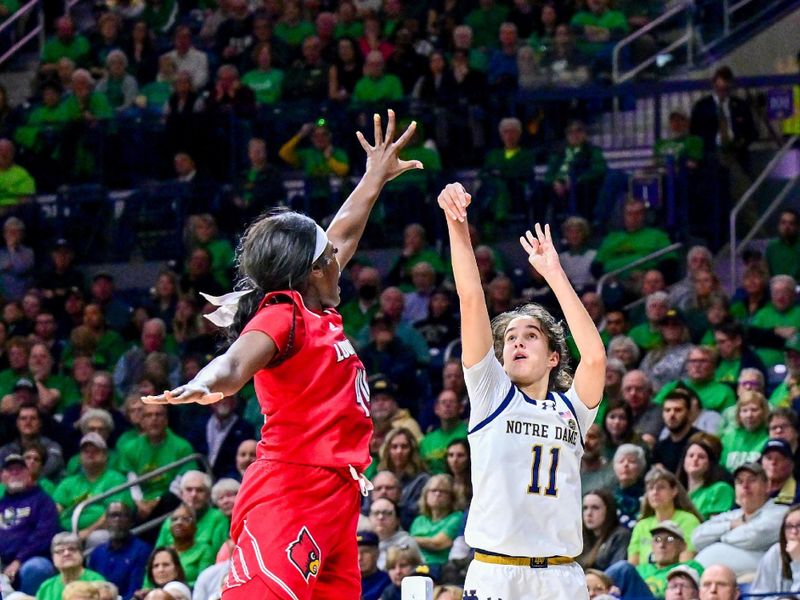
{"points": [[552, 487]]}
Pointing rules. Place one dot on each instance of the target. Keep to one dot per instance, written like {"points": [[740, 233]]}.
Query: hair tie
{"points": [[228, 305]]}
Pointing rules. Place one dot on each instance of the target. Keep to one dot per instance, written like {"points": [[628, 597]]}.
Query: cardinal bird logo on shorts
{"points": [[305, 554]]}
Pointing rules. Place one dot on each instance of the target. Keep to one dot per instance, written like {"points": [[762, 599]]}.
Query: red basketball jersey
{"points": [[316, 402]]}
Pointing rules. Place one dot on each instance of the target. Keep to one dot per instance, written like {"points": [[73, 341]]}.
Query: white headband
{"points": [[228, 303], [320, 244]]}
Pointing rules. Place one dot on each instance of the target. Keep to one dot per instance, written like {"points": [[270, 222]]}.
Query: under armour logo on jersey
{"points": [[548, 404], [472, 595]]}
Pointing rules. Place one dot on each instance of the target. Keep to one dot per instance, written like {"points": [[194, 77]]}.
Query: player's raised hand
{"points": [[542, 253], [185, 394], [454, 200], [382, 157]]}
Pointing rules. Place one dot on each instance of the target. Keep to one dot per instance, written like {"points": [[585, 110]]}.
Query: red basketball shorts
{"points": [[295, 533]]}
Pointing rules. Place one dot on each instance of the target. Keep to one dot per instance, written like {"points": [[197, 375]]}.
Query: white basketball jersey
{"points": [[526, 459]]}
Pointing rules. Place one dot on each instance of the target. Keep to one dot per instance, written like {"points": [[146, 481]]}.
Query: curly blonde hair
{"points": [[560, 376]]}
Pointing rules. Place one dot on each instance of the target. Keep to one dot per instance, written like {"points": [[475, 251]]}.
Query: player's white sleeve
{"points": [[487, 386], [585, 414]]}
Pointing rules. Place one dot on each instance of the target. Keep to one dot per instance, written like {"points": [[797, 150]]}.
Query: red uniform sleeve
{"points": [[276, 321]]}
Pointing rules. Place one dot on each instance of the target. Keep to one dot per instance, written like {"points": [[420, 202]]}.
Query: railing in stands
{"points": [[633, 264], [12, 24], [735, 248], [76, 514], [681, 11]]}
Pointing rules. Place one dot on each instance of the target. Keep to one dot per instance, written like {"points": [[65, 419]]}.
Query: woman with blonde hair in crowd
{"points": [[438, 522], [80, 590], [665, 499], [744, 441], [703, 477], [400, 455]]}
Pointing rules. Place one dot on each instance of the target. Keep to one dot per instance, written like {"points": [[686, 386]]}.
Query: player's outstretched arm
{"points": [[225, 375], [383, 164], [476, 331], [590, 374]]}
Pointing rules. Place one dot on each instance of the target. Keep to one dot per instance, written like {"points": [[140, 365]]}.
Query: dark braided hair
{"points": [[275, 253]]}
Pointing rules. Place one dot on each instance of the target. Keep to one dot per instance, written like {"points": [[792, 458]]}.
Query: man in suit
{"points": [[725, 124], [221, 435]]}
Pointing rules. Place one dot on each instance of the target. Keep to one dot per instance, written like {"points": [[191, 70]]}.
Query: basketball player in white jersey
{"points": [[526, 425]]}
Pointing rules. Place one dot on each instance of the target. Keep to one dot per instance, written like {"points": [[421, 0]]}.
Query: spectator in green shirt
{"points": [[506, 171], [647, 335], [47, 115], [156, 447], [203, 233], [438, 522], [577, 169], [701, 364], [212, 525], [780, 316], [634, 241], [16, 184], [291, 27], [669, 542], [485, 22], [93, 479], [433, 447], [376, 86], [347, 22], [8, 8], [680, 144], [65, 44], [358, 312], [703, 477], [600, 28], [783, 252], [415, 251], [68, 560], [195, 555], [265, 80]]}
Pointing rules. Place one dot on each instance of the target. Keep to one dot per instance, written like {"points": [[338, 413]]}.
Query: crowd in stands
{"points": [[231, 99]]}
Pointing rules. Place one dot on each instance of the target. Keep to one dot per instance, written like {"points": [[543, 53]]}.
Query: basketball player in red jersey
{"points": [[294, 522]]}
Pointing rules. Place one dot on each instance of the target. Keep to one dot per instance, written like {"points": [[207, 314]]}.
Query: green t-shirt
{"points": [[713, 395], [140, 456], [52, 588], [728, 371], [99, 107], [213, 529], [485, 25], [769, 318], [646, 337], [656, 577], [70, 394], [740, 446], [157, 94], [8, 379], [74, 463], [713, 499], [222, 259], [620, 248], [77, 50], [354, 319], [267, 86], [369, 90], [195, 560], [354, 29], [423, 526], [294, 34], [15, 185], [689, 147], [783, 258], [38, 119], [76, 488], [314, 164], [433, 447], [781, 397], [641, 543], [612, 20]]}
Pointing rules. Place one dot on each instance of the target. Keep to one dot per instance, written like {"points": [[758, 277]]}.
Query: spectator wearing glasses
{"points": [[438, 523], [68, 560], [783, 423], [779, 569], [373, 579], [385, 522], [683, 583], [701, 364]]}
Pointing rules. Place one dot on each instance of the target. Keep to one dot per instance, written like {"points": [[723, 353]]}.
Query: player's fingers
{"points": [[390, 126], [539, 232], [407, 134], [525, 245], [376, 123], [159, 399], [547, 235], [363, 141], [213, 397]]}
